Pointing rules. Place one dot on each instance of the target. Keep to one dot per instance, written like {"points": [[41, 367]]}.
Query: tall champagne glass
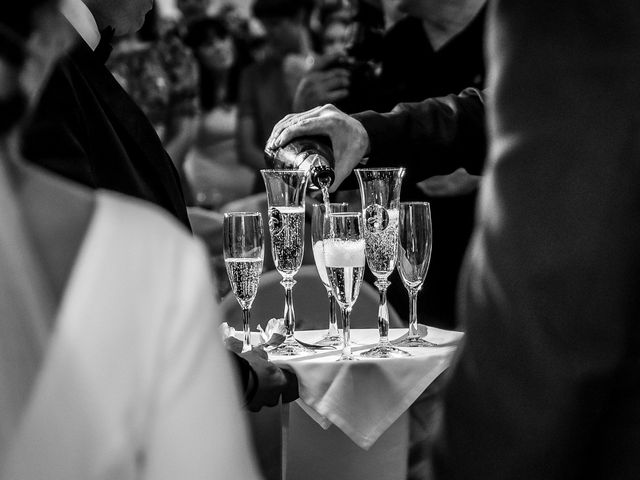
{"points": [[344, 256], [414, 254], [243, 256], [332, 337], [380, 193], [285, 198]]}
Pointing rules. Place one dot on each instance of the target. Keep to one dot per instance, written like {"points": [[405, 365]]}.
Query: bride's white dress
{"points": [[135, 383]]}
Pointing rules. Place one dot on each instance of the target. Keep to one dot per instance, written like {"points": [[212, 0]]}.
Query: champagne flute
{"points": [[243, 256], [344, 257], [414, 254], [285, 198], [332, 337], [380, 193]]}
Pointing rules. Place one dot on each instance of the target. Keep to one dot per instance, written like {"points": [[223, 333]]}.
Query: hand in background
{"points": [[323, 84], [349, 138], [459, 182]]}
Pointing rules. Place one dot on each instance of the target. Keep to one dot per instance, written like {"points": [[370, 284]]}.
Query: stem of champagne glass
{"points": [[383, 311], [246, 316], [333, 316], [289, 313], [346, 332], [413, 313]]}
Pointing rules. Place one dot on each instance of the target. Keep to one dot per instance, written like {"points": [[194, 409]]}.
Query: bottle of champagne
{"points": [[311, 153]]}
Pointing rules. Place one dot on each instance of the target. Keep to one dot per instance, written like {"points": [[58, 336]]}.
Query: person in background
{"points": [[430, 50], [88, 129], [160, 74], [110, 365], [335, 37], [191, 10], [331, 22], [546, 384], [267, 86], [212, 166], [436, 49]]}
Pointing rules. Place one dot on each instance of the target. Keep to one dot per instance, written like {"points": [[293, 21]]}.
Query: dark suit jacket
{"points": [[432, 137], [547, 385], [87, 128]]}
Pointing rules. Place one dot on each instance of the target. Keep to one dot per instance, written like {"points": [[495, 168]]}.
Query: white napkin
{"points": [[364, 398]]}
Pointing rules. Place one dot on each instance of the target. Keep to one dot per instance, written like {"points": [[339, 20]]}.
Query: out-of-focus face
{"points": [[335, 38], [192, 8], [125, 16], [51, 38], [283, 34], [20, 85], [217, 53]]}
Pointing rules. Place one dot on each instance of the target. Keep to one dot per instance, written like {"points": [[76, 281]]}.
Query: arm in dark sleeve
{"points": [[432, 137], [263, 383]]}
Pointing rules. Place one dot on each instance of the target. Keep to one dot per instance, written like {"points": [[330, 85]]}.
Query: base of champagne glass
{"points": [[329, 341], [289, 348], [414, 342], [347, 358], [385, 351]]}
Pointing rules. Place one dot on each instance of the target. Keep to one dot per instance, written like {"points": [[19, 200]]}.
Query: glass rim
{"points": [[415, 203], [288, 170], [243, 214], [380, 169]]}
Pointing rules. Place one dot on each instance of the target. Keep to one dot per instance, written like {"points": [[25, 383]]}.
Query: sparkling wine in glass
{"points": [[243, 256], [380, 193], [344, 257], [285, 198], [414, 254], [332, 337]]}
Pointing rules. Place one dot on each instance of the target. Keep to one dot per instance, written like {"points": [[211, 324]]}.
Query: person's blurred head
{"points": [[212, 43], [216, 52], [125, 16], [33, 35], [335, 37], [285, 22], [236, 23], [193, 9]]}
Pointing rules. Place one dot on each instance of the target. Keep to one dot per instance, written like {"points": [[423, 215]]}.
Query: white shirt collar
{"points": [[82, 20]]}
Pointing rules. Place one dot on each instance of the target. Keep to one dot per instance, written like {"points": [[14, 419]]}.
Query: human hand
{"points": [[273, 381], [349, 139], [322, 84], [459, 182]]}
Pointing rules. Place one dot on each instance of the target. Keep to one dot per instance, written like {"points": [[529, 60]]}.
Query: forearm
{"points": [[435, 136], [179, 145]]}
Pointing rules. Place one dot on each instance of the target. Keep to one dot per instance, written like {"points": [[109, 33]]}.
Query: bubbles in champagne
{"points": [[345, 268], [345, 283], [286, 225], [244, 276], [382, 243]]}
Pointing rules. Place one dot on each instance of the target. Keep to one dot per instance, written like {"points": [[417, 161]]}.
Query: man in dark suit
{"points": [[547, 383], [88, 129]]}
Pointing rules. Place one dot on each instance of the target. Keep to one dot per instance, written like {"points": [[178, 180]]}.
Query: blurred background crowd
{"points": [[215, 76]]}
